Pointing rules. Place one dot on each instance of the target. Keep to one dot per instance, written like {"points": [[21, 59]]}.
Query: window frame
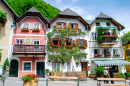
{"points": [[83, 41], [68, 39], [37, 40], [39, 25], [19, 39], [23, 66], [94, 35], [55, 39], [107, 23], [76, 25], [24, 24], [62, 24], [115, 49]]}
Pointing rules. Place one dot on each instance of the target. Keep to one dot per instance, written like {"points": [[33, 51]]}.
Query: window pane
{"points": [[36, 25], [25, 25], [95, 51], [97, 23], [55, 42], [81, 42], [54, 67], [108, 23], [68, 42], [27, 66], [17, 42]]}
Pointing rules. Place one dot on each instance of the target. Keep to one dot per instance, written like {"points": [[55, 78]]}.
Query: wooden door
{"points": [[84, 67]]}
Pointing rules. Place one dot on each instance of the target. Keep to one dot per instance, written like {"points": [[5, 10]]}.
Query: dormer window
{"points": [[26, 25], [61, 25], [108, 24], [97, 23]]}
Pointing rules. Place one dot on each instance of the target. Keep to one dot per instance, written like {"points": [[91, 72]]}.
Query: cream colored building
{"points": [[6, 30]]}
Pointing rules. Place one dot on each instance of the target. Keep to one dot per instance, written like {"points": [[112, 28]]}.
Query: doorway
{"points": [[13, 68], [84, 67], [40, 69]]}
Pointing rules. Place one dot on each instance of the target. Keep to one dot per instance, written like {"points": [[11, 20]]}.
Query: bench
{"points": [[62, 80], [3, 80], [114, 79]]}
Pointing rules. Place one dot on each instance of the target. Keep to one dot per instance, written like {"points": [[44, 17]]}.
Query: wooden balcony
{"points": [[29, 50], [108, 41]]}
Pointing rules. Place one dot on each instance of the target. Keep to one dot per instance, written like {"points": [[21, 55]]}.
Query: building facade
{"points": [[29, 45]]}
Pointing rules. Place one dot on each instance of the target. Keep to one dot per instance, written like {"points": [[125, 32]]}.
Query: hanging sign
{"points": [[28, 40]]}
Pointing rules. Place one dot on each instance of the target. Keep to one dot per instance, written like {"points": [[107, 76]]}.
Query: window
{"points": [[94, 36], [61, 25], [108, 24], [26, 25], [97, 23], [82, 43], [106, 52], [36, 25], [115, 51], [55, 42], [56, 67], [96, 51], [36, 42], [69, 66], [68, 42], [19, 41], [73, 26], [27, 65]]}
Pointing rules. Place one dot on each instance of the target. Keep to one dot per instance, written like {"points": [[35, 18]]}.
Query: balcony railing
{"points": [[29, 49]]}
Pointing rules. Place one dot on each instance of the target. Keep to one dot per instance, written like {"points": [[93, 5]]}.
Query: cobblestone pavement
{"points": [[42, 82]]}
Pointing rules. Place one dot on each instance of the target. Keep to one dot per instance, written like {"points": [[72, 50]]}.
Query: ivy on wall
{"points": [[2, 15], [63, 54]]}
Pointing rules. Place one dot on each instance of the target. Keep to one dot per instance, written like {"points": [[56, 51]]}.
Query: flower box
{"points": [[82, 46], [109, 36], [61, 29], [108, 55], [92, 76], [74, 29], [69, 46], [25, 29], [116, 55], [55, 46], [97, 55], [36, 29]]}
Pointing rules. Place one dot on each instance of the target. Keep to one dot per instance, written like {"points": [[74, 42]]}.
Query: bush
{"points": [[29, 77], [127, 74], [6, 63], [100, 70]]}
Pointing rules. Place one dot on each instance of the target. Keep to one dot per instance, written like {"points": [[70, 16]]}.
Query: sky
{"points": [[89, 9]]}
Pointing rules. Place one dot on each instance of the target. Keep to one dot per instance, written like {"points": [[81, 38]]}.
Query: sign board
{"points": [[28, 40]]}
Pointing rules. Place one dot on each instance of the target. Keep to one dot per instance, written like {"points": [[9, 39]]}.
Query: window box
{"points": [[55, 46], [108, 55], [116, 55], [61, 28], [36, 29], [69, 46], [25, 29], [82, 46], [97, 55], [55, 42]]}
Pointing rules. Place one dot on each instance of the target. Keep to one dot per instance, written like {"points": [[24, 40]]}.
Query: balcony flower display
{"points": [[108, 55], [55, 46], [82, 46], [69, 46], [30, 80], [97, 55], [109, 36], [116, 54]]}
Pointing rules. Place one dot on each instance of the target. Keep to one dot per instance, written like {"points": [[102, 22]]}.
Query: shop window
{"points": [[94, 35], [108, 24], [19, 41], [97, 23], [56, 67], [27, 65]]}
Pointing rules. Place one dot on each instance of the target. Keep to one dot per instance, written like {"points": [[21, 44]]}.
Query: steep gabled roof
{"points": [[32, 12], [10, 9], [68, 12], [102, 15]]}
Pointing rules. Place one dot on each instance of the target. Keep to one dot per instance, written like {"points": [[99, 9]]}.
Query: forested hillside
{"points": [[21, 6]]}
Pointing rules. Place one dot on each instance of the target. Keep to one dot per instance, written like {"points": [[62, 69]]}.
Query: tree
{"points": [[6, 63], [126, 41], [63, 54]]}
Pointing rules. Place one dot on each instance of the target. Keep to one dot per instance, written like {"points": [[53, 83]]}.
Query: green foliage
{"points": [[122, 75], [77, 63], [63, 54], [92, 73], [47, 70], [100, 70], [99, 36], [6, 62], [25, 78], [2, 15], [57, 69], [0, 53], [127, 74], [21, 6]]}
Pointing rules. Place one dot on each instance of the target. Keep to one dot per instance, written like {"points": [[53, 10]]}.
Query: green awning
{"points": [[111, 62]]}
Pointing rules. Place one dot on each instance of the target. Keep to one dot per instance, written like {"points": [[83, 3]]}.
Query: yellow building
{"points": [[126, 51], [5, 30]]}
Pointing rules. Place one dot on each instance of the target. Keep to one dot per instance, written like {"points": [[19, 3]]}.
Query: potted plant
{"points": [[77, 63], [127, 74], [100, 71], [116, 54], [6, 64], [92, 75], [47, 71], [30, 80], [97, 55]]}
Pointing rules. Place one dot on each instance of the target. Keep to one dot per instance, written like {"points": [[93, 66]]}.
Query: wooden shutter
{"points": [[59, 42], [64, 25], [57, 25], [64, 42], [76, 26], [77, 41], [69, 25], [85, 41], [51, 42], [73, 42]]}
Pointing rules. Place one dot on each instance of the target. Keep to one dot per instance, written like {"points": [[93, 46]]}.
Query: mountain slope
{"points": [[21, 6]]}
